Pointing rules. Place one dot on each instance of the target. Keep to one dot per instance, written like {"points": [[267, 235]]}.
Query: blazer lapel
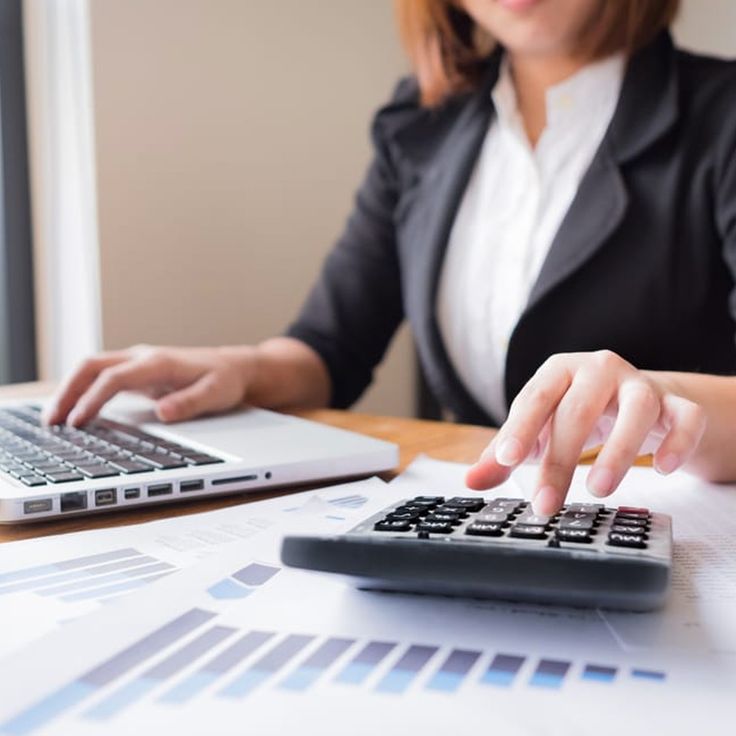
{"points": [[647, 109], [426, 233]]}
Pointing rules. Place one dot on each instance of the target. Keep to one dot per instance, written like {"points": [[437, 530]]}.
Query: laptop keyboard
{"points": [[37, 455]]}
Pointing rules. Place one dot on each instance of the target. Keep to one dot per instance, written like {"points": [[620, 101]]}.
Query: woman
{"points": [[556, 217]]}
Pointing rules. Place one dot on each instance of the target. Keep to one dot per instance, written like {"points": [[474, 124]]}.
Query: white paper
{"points": [[695, 692], [47, 581]]}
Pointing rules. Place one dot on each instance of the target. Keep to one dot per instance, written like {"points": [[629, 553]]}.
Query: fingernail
{"points": [[545, 502], [73, 419], [600, 481], [508, 452], [667, 464]]}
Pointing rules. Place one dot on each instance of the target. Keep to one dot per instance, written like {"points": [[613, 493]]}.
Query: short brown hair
{"points": [[448, 50]]}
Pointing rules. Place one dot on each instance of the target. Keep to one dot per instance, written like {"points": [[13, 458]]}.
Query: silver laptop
{"points": [[127, 458]]}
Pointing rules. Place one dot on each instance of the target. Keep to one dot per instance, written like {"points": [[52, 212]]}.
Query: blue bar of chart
{"points": [[549, 673], [598, 673], [502, 670], [314, 666], [68, 696], [360, 667], [220, 665], [401, 675], [243, 582], [271, 662], [652, 675], [453, 670]]}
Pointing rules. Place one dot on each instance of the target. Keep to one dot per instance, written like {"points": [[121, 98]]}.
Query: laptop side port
{"points": [[131, 493], [37, 505], [74, 501], [187, 486], [162, 489], [106, 497]]}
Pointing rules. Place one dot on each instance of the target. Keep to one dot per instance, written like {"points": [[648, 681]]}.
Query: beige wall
{"points": [[230, 136], [708, 26]]}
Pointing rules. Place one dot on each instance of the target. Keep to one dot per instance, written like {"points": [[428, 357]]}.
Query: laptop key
{"points": [[33, 480], [159, 461], [130, 467], [69, 477], [200, 458], [97, 471]]}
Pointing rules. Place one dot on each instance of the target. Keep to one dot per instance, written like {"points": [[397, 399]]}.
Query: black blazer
{"points": [[643, 264]]}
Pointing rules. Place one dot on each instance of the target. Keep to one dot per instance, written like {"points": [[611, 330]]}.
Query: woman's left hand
{"points": [[579, 400]]}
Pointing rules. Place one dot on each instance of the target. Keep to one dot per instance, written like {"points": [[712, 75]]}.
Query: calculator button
{"points": [[446, 518], [586, 523], [469, 504], [428, 500], [392, 526], [585, 508], [530, 519], [484, 529], [485, 518], [403, 516], [630, 521], [616, 539], [436, 527], [421, 510], [498, 508], [574, 535], [633, 510], [461, 513], [627, 529], [528, 531]]}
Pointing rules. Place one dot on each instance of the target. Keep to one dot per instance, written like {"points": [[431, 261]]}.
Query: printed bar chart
{"points": [[314, 666], [451, 674], [648, 675], [86, 578], [400, 676], [360, 667], [217, 667]]}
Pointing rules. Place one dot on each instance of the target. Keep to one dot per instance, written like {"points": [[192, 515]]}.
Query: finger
{"points": [[687, 422], [132, 375], [77, 383], [638, 413], [487, 472], [531, 410], [574, 419], [198, 398]]}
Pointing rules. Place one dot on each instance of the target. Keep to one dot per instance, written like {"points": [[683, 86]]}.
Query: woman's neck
{"points": [[533, 76]]}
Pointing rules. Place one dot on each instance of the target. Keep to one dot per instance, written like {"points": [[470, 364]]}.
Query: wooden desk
{"points": [[445, 441]]}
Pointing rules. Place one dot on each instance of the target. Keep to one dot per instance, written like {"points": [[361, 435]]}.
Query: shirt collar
{"points": [[595, 85]]}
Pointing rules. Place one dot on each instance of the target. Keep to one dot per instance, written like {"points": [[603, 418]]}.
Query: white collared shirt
{"points": [[509, 215]]}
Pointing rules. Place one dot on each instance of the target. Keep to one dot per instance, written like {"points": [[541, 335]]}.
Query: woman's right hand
{"points": [[185, 382]]}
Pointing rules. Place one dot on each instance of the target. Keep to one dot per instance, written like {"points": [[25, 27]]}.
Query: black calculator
{"points": [[586, 555]]}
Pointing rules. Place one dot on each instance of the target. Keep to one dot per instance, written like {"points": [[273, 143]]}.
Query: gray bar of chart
{"points": [[237, 652], [47, 569], [280, 655], [190, 652], [64, 577], [113, 589], [374, 652], [147, 647], [327, 653], [90, 582], [255, 574], [415, 657]]}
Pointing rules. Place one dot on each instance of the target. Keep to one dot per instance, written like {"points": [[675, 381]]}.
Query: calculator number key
{"points": [[581, 536], [392, 525], [484, 529], [617, 539], [434, 527], [528, 531]]}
